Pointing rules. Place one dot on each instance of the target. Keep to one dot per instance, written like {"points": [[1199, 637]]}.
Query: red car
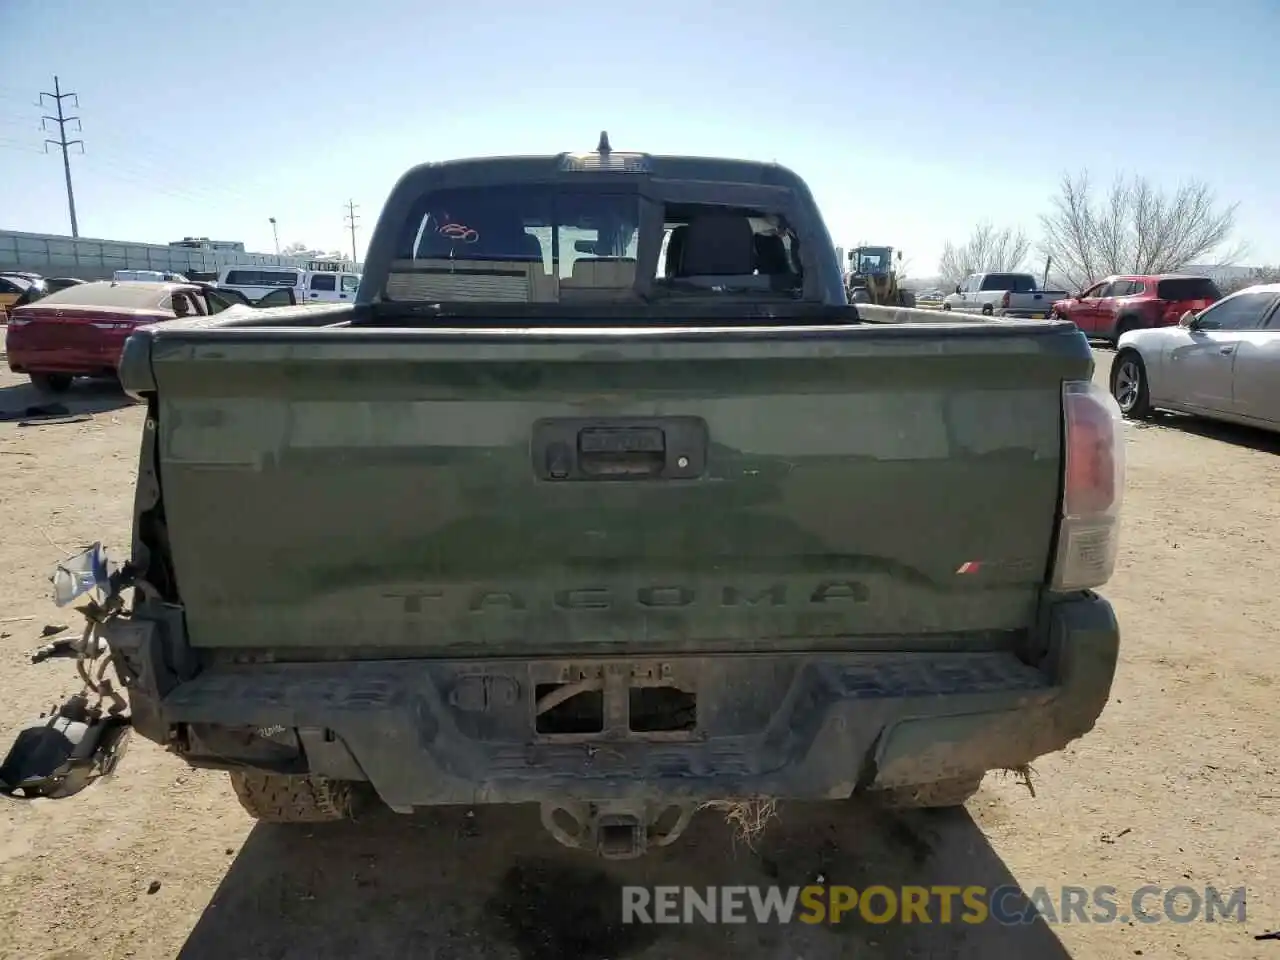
{"points": [[1122, 303], [80, 331]]}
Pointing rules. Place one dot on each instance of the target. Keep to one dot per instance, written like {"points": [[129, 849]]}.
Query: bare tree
{"points": [[1134, 228], [987, 250], [1257, 275]]}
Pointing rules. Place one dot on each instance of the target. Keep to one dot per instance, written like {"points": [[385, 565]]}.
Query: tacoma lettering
{"points": [[436, 601]]}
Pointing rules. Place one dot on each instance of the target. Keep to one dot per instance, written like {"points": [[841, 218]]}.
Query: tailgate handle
{"points": [[622, 451], [619, 448]]}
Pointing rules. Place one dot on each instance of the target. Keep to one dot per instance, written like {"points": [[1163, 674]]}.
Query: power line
{"points": [[62, 120], [351, 219]]}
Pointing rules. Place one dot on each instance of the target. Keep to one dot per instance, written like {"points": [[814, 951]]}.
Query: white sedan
{"points": [[1223, 362]]}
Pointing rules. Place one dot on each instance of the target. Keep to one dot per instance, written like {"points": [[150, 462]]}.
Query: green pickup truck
{"points": [[601, 496]]}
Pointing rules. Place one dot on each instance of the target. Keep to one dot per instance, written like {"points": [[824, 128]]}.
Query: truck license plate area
{"points": [[613, 701], [619, 449]]}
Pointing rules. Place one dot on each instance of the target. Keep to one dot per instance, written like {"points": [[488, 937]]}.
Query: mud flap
{"points": [[59, 755]]}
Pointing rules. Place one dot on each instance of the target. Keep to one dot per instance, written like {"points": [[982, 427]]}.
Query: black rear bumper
{"points": [[427, 732]]}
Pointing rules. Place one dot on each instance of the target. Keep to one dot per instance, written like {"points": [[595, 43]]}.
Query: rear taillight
{"points": [[1004, 301], [1092, 490]]}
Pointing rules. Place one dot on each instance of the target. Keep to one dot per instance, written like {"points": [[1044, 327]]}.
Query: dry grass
{"points": [[747, 817]]}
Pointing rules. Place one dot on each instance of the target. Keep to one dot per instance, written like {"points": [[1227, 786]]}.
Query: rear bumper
{"points": [[427, 732], [31, 352], [78, 363]]}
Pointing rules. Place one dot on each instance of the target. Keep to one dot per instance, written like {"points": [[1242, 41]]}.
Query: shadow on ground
{"points": [[20, 401], [491, 883], [1251, 438]]}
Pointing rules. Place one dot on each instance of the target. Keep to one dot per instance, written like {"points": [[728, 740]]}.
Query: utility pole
{"points": [[275, 233], [62, 120], [351, 219]]}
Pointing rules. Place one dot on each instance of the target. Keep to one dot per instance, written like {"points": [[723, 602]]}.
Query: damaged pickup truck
{"points": [[600, 497]]}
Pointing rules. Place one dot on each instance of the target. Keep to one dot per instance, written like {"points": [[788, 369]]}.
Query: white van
{"points": [[330, 285], [255, 282]]}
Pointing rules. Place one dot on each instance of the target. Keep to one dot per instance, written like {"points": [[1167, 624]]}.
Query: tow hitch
{"points": [[616, 830], [62, 752]]}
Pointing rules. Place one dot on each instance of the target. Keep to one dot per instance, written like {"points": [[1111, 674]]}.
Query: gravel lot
{"points": [[1177, 785]]}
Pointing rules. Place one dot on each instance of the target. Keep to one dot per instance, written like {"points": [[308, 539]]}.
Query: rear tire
{"points": [[942, 793], [280, 798], [987, 310], [1129, 385], [51, 382]]}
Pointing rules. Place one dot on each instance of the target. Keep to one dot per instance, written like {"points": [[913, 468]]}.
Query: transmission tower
{"points": [[351, 219], [62, 120]]}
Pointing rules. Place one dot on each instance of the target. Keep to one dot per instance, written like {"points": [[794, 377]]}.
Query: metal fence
{"points": [[90, 259]]}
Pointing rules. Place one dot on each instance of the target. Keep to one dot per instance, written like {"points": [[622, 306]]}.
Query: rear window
{"points": [[1188, 288], [261, 278], [129, 295], [522, 224], [1015, 282], [543, 243]]}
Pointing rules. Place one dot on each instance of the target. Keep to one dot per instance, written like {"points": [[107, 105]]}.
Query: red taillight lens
{"points": [[1093, 487], [1091, 452], [1004, 301]]}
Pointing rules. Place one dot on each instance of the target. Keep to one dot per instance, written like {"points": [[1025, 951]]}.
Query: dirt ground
{"points": [[1176, 786]]}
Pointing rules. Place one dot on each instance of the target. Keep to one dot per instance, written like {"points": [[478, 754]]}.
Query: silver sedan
{"points": [[1223, 362]]}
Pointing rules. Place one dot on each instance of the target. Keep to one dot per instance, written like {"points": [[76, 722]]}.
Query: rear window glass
{"points": [[545, 243], [516, 244], [261, 278], [521, 224], [1188, 288], [130, 295], [1015, 282]]}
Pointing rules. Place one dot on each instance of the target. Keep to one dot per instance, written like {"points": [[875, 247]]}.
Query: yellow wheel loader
{"points": [[873, 279]]}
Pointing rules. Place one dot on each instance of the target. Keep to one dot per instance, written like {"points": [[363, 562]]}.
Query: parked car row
{"points": [[17, 289], [1106, 311], [328, 285], [1221, 361], [1180, 344], [1112, 307], [80, 331]]}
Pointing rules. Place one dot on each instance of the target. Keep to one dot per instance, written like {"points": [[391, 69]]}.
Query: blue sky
{"points": [[911, 120]]}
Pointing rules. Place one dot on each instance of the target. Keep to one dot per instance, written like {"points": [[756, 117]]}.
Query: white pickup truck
{"points": [[1003, 295]]}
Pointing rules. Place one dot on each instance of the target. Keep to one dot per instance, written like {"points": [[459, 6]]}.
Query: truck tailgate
{"points": [[411, 492]]}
